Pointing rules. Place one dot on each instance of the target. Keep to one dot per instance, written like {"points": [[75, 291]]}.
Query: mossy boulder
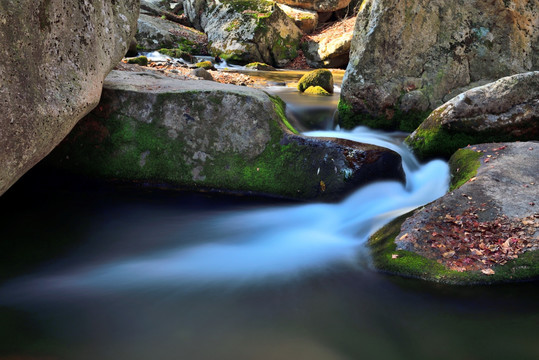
{"points": [[178, 53], [316, 90], [485, 230], [433, 48], [205, 136], [139, 60], [245, 31], [320, 77], [260, 66], [505, 110], [207, 65], [55, 55], [305, 20]]}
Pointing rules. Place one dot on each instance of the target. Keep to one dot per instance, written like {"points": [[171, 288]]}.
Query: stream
{"points": [[91, 271]]}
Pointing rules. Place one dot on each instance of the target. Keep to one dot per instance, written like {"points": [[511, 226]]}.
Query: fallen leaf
{"points": [[395, 256], [488, 271], [403, 236], [448, 254]]}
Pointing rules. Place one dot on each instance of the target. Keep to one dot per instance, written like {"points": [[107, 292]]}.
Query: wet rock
{"points": [[505, 110], [485, 230], [201, 135], [247, 31], [260, 66], [434, 47], [48, 79], [305, 20], [317, 5]]}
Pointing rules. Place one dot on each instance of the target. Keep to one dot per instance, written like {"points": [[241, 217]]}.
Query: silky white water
{"points": [[276, 243]]}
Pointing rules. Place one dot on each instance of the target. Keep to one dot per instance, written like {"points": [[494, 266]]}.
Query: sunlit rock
{"points": [[55, 55]]}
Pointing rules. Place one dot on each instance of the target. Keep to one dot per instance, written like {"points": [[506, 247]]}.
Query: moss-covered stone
{"points": [[207, 136], [319, 77], [260, 66], [387, 258], [316, 90], [139, 60], [463, 166], [207, 65]]}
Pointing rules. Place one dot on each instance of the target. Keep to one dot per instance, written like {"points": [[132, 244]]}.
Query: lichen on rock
{"points": [[320, 77]]}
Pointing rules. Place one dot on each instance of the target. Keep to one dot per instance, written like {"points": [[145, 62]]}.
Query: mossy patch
{"points": [[316, 90], [177, 53], [280, 107], [405, 263], [463, 164], [207, 65], [260, 66], [139, 60], [320, 77]]}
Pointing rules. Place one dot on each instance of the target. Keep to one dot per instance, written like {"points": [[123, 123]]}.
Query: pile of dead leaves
{"points": [[462, 242]]}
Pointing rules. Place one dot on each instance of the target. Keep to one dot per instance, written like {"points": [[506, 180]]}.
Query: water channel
{"points": [[92, 271]]}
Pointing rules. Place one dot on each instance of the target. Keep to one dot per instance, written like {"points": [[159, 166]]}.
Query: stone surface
{"points": [[201, 135], [55, 55], [320, 77], [317, 5], [329, 51], [305, 20], [155, 33], [246, 31], [503, 190], [434, 46], [504, 110]]}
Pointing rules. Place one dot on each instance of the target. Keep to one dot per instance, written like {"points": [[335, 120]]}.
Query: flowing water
{"points": [[126, 274]]}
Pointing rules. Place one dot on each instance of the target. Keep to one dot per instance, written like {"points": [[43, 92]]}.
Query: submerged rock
{"points": [[246, 31], [55, 55], [435, 47], [505, 110], [486, 230], [200, 135], [317, 5]]}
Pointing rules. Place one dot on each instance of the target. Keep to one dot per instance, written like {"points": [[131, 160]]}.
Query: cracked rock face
{"points": [[55, 55], [435, 47]]}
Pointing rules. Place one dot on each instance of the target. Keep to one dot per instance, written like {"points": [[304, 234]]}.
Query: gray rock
{"points": [[202, 73], [155, 33], [305, 20], [438, 45], [504, 190], [329, 51], [202, 135], [505, 110], [55, 55], [247, 31]]}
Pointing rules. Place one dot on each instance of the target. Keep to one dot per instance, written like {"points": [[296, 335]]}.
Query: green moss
{"points": [[320, 77], [208, 65], [260, 66], [316, 90], [409, 264], [280, 107], [233, 25], [463, 164], [139, 60]]}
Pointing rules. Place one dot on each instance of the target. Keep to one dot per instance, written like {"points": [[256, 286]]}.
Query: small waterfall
{"points": [[276, 243]]}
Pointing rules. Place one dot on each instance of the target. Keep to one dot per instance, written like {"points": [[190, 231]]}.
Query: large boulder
{"points": [[202, 135], [485, 230], [505, 110], [55, 55], [317, 5], [408, 56], [246, 31], [154, 33]]}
